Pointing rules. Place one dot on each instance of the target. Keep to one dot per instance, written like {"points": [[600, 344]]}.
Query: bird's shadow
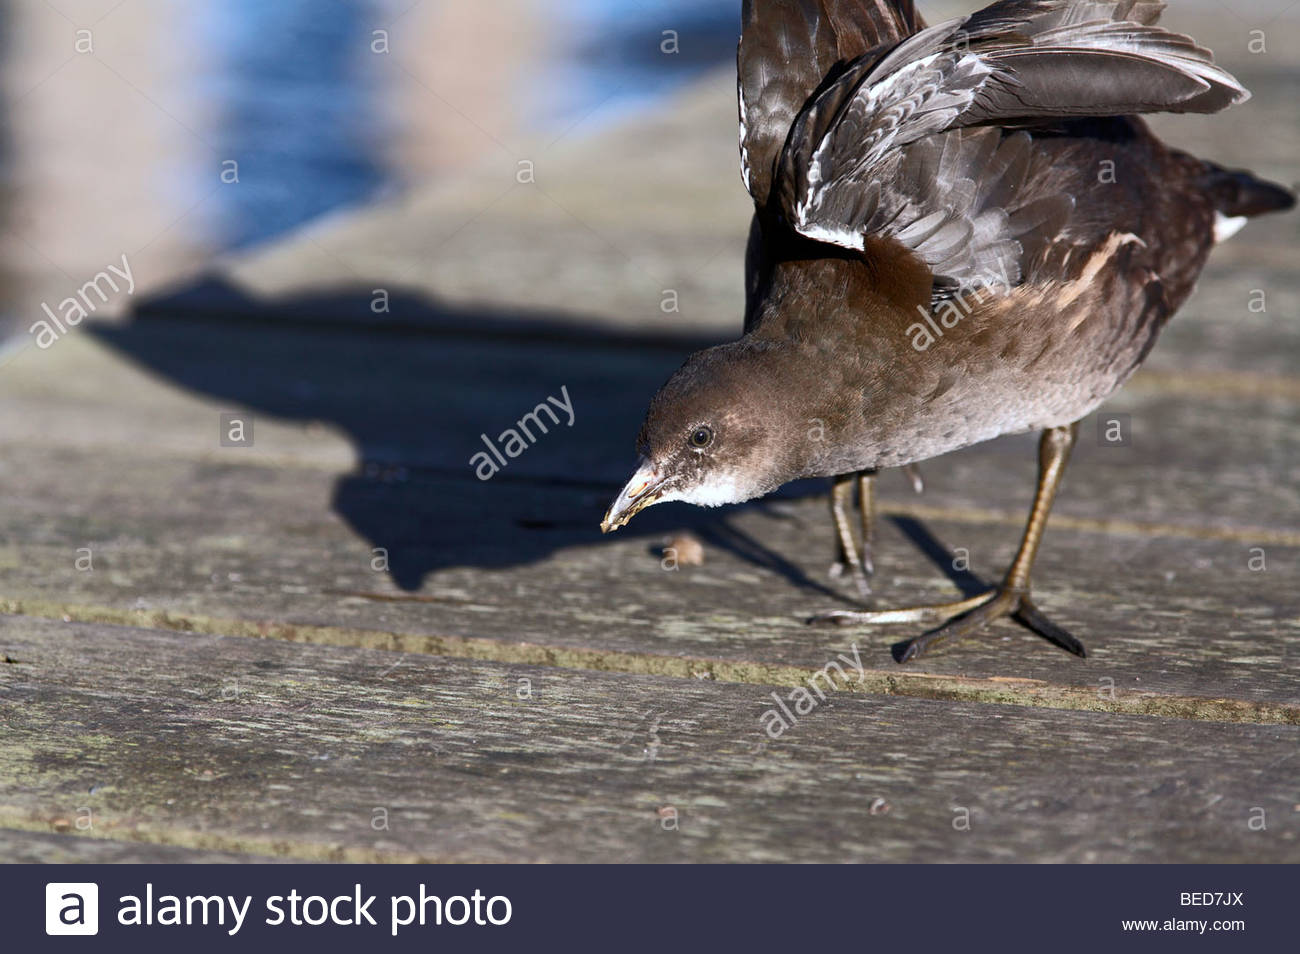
{"points": [[941, 555], [417, 389]]}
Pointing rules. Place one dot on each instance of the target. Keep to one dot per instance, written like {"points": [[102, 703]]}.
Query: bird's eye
{"points": [[701, 437]]}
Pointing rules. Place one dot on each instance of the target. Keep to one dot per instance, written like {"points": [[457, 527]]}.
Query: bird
{"points": [[961, 231]]}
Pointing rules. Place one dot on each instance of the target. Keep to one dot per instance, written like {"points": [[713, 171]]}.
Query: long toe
{"points": [[1002, 604], [1032, 618], [1006, 603], [937, 613]]}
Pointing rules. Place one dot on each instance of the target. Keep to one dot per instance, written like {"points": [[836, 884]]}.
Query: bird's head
{"points": [[711, 437]]}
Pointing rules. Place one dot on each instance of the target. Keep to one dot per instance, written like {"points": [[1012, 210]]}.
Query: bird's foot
{"points": [[913, 474], [859, 572], [961, 618]]}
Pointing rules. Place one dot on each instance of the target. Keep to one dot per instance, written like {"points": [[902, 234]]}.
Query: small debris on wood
{"points": [[684, 549]]}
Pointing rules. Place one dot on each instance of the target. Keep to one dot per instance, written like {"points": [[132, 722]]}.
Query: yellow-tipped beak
{"points": [[640, 492]]}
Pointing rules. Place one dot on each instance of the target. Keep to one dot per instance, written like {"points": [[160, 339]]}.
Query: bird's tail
{"points": [[1237, 192]]}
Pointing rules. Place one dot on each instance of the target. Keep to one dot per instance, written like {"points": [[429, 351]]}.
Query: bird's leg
{"points": [[1011, 598], [867, 514], [847, 556]]}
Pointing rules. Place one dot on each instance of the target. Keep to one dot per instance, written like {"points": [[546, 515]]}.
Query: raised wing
{"points": [[889, 146], [788, 49]]}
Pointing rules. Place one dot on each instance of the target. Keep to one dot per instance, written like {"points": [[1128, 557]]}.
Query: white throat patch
{"points": [[718, 490]]}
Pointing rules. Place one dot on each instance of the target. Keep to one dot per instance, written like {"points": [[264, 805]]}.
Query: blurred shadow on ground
{"points": [[416, 389]]}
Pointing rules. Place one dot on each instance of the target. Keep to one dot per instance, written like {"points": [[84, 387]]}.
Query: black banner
{"points": [[196, 908]]}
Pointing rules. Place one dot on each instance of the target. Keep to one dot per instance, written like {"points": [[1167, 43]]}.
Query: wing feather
{"points": [[788, 48], [907, 142]]}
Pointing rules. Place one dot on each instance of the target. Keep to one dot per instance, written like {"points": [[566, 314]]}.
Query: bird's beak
{"points": [[644, 489]]}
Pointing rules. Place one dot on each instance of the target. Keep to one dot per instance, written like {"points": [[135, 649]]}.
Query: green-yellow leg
{"points": [[867, 515], [848, 558]]}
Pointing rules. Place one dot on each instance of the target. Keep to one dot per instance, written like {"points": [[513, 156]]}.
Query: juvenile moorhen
{"points": [[961, 231]]}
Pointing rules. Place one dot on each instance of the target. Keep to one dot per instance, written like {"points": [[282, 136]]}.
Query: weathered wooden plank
{"points": [[1215, 629], [254, 549], [257, 746], [35, 847]]}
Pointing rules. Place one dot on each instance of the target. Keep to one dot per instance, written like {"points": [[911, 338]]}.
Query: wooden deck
{"points": [[339, 644]]}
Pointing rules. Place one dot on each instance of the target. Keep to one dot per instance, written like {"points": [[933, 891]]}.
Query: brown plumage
{"points": [[959, 233]]}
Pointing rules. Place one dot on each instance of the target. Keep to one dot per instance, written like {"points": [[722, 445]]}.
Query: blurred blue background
{"points": [[305, 113], [118, 119]]}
